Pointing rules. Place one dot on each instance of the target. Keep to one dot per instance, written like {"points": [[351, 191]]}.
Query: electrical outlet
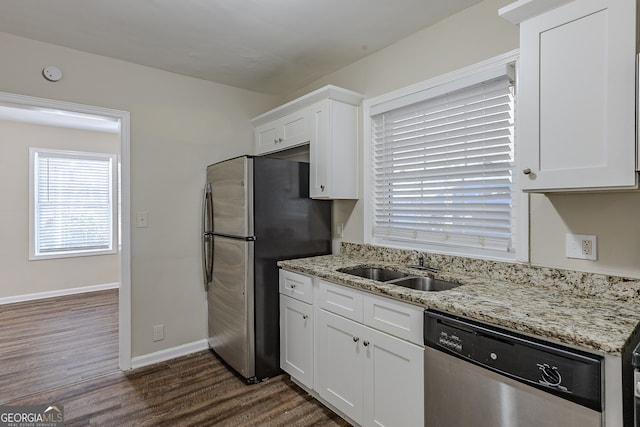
{"points": [[581, 246], [158, 333]]}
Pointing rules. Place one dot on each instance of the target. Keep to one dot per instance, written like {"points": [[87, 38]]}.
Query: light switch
{"points": [[142, 219]]}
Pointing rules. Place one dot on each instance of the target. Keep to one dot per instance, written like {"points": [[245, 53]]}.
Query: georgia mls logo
{"points": [[32, 416]]}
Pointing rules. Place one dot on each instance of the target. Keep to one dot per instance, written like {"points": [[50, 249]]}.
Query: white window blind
{"points": [[73, 202], [442, 169]]}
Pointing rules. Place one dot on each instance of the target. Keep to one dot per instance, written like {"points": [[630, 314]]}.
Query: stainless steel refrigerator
{"points": [[256, 211]]}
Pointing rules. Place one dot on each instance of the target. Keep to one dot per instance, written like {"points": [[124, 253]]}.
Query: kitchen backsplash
{"points": [[581, 283]]}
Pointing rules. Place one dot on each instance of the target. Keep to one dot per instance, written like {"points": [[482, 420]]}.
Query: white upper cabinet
{"points": [[334, 150], [326, 119], [576, 94], [286, 132]]}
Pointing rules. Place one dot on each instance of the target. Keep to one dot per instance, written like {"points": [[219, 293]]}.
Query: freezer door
{"points": [[231, 304], [231, 188]]}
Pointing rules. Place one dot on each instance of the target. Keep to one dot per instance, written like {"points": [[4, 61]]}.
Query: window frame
{"points": [[445, 83], [34, 253]]}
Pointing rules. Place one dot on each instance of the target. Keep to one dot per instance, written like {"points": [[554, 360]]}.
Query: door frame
{"points": [[124, 252]]}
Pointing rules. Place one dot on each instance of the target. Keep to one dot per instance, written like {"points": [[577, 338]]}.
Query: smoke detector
{"points": [[51, 73]]}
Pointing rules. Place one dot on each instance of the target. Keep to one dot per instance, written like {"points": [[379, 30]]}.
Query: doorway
{"points": [[65, 112]]}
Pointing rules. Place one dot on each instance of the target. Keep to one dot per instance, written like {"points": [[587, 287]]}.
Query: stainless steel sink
{"points": [[379, 274], [400, 279], [424, 283]]}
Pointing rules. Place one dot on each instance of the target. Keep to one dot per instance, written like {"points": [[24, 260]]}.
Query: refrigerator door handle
{"points": [[207, 237]]}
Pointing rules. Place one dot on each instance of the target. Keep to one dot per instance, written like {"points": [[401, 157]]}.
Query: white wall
{"points": [[468, 37], [19, 275], [178, 126]]}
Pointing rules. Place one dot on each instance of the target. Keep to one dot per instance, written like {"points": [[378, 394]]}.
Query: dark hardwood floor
{"points": [[52, 342], [194, 390]]}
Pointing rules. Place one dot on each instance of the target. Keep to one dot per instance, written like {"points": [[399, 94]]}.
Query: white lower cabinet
{"points": [[296, 339], [358, 353], [339, 364], [373, 378], [393, 382]]}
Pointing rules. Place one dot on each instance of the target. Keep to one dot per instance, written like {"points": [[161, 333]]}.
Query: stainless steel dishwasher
{"points": [[481, 376]]}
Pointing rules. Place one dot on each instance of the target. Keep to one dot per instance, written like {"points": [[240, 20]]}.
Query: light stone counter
{"points": [[594, 312]]}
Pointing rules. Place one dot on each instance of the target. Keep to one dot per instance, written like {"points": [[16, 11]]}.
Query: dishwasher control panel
{"points": [[450, 341], [572, 374]]}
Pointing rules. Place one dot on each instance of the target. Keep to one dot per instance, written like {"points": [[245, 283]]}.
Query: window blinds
{"points": [[73, 202], [442, 169]]}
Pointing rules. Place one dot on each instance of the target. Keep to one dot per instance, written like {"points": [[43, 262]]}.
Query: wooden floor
{"points": [[195, 390], [56, 341]]}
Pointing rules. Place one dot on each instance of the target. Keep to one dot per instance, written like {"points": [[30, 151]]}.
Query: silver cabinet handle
{"points": [[356, 339], [322, 188], [527, 171], [280, 139], [293, 285], [365, 343], [275, 140], [305, 316]]}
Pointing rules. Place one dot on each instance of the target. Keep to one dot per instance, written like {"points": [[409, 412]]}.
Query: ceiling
{"points": [[268, 46]]}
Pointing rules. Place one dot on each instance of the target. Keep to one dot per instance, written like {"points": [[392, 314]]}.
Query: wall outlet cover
{"points": [[581, 246]]}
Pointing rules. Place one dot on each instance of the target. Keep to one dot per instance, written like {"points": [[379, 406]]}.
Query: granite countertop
{"points": [[558, 313]]}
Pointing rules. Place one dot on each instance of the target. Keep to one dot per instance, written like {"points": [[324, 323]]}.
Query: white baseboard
{"points": [[169, 353], [58, 293]]}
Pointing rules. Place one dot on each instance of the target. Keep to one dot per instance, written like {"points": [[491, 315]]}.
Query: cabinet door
{"points": [[295, 128], [296, 339], [393, 381], [267, 137], [333, 150], [576, 97], [286, 132], [339, 364], [319, 167]]}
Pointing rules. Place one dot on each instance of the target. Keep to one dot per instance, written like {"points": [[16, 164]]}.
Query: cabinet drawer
{"points": [[296, 286], [395, 318], [340, 300]]}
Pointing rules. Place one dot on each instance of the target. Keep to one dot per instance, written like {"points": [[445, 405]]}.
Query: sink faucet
{"points": [[421, 265]]}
